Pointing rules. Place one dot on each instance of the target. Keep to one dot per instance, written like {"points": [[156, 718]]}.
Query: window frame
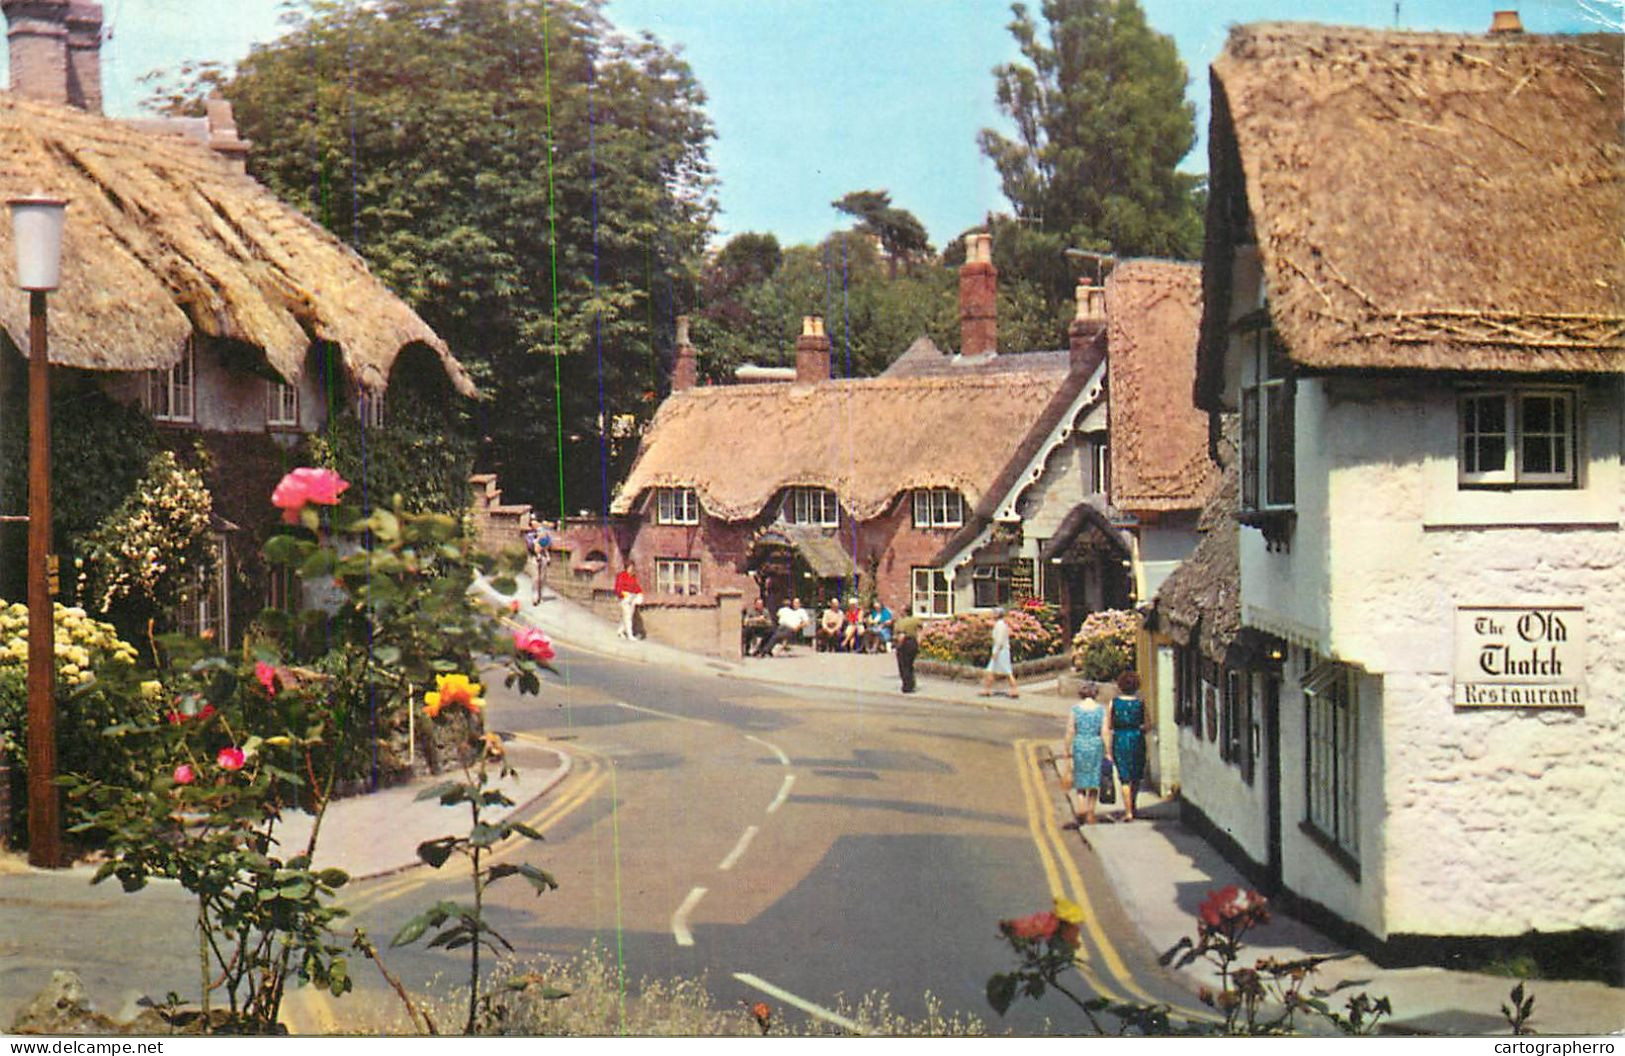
{"points": [[166, 390], [941, 508], [677, 506], [1001, 578], [679, 576], [369, 409], [924, 601], [1268, 421], [1331, 759], [1513, 434], [281, 404], [798, 507]]}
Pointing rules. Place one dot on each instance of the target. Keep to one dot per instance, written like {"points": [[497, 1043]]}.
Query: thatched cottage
{"points": [[187, 287], [1415, 304], [946, 484]]}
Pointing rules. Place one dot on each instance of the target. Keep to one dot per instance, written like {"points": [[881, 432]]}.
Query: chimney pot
{"points": [[978, 297], [223, 138], [685, 368], [812, 351], [1506, 22], [1088, 324]]}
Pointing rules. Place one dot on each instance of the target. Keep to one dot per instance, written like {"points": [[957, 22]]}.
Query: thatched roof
{"points": [[867, 439], [1422, 201], [163, 240], [1158, 437], [1201, 600]]}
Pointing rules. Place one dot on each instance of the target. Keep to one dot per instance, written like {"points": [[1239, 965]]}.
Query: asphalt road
{"points": [[804, 847]]}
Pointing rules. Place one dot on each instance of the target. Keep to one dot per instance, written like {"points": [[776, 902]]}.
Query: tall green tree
{"points": [[535, 184], [1101, 122], [900, 232]]}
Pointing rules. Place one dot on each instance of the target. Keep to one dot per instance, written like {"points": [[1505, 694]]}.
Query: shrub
{"points": [[1035, 631], [95, 679], [1103, 648]]}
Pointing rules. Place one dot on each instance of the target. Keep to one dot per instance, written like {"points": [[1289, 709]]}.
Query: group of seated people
{"points": [[849, 630], [853, 630]]}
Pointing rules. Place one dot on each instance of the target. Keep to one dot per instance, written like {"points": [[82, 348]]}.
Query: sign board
{"points": [[1520, 657], [1021, 579]]}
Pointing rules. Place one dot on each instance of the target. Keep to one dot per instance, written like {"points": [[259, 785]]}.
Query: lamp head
{"points": [[36, 227]]}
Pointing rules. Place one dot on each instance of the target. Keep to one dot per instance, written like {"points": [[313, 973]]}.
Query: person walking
{"points": [[538, 555], [1126, 725], [907, 647], [630, 593], [999, 662], [1088, 733]]}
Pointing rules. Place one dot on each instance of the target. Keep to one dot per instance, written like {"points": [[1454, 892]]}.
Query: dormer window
{"points": [[281, 405], [1267, 442], [816, 507], [938, 508], [171, 394], [676, 506], [370, 409]]}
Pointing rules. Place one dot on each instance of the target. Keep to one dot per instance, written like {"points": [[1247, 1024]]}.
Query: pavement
{"points": [[1159, 870]]}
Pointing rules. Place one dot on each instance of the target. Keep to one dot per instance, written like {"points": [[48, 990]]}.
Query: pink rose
{"points": [[534, 644], [1035, 927], [184, 775], [305, 485], [266, 673], [230, 759]]}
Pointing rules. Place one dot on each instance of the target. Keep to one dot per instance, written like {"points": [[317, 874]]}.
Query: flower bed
{"points": [[1035, 631]]}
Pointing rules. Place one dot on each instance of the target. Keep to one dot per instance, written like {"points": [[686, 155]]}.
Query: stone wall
{"points": [[708, 625], [497, 526]]}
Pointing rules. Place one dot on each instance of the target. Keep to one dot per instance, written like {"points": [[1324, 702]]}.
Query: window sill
{"points": [[1479, 507], [1346, 861], [1276, 524]]}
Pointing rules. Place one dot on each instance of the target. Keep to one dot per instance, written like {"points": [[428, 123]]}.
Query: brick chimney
{"points": [[978, 298], [223, 132], [1088, 324], [85, 55], [37, 31], [812, 352], [685, 368]]}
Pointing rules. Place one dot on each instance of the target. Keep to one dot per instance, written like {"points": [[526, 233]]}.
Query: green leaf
{"points": [[436, 791], [522, 829], [1001, 991], [483, 835], [318, 565], [436, 851], [540, 879], [334, 878], [287, 550], [411, 931]]}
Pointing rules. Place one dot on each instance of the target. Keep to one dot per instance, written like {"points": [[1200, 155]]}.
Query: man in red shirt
{"points": [[630, 593]]}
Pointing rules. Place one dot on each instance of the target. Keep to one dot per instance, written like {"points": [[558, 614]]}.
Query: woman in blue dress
{"points": [[1086, 733], [1126, 723]]}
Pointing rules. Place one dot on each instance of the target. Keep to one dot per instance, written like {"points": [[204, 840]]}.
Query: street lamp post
{"points": [[37, 229]]}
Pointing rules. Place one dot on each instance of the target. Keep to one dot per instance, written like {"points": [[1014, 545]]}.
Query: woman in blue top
{"points": [[1126, 722], [1086, 732]]}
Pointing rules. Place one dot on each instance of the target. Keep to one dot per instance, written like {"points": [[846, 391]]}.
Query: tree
{"points": [[533, 183], [1101, 122], [900, 232]]}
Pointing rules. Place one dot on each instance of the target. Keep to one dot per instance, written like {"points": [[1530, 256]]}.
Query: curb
{"points": [[567, 764]]}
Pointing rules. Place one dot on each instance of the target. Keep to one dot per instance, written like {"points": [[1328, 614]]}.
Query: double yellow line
{"points": [[1065, 882], [594, 774]]}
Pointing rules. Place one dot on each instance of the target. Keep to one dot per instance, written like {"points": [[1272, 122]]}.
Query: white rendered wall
{"points": [[1215, 786], [1496, 821]]}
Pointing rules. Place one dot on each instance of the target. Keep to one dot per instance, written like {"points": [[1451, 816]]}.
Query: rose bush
{"points": [[237, 742]]}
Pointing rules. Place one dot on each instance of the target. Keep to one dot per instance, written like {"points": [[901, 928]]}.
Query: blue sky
{"points": [[815, 98]]}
